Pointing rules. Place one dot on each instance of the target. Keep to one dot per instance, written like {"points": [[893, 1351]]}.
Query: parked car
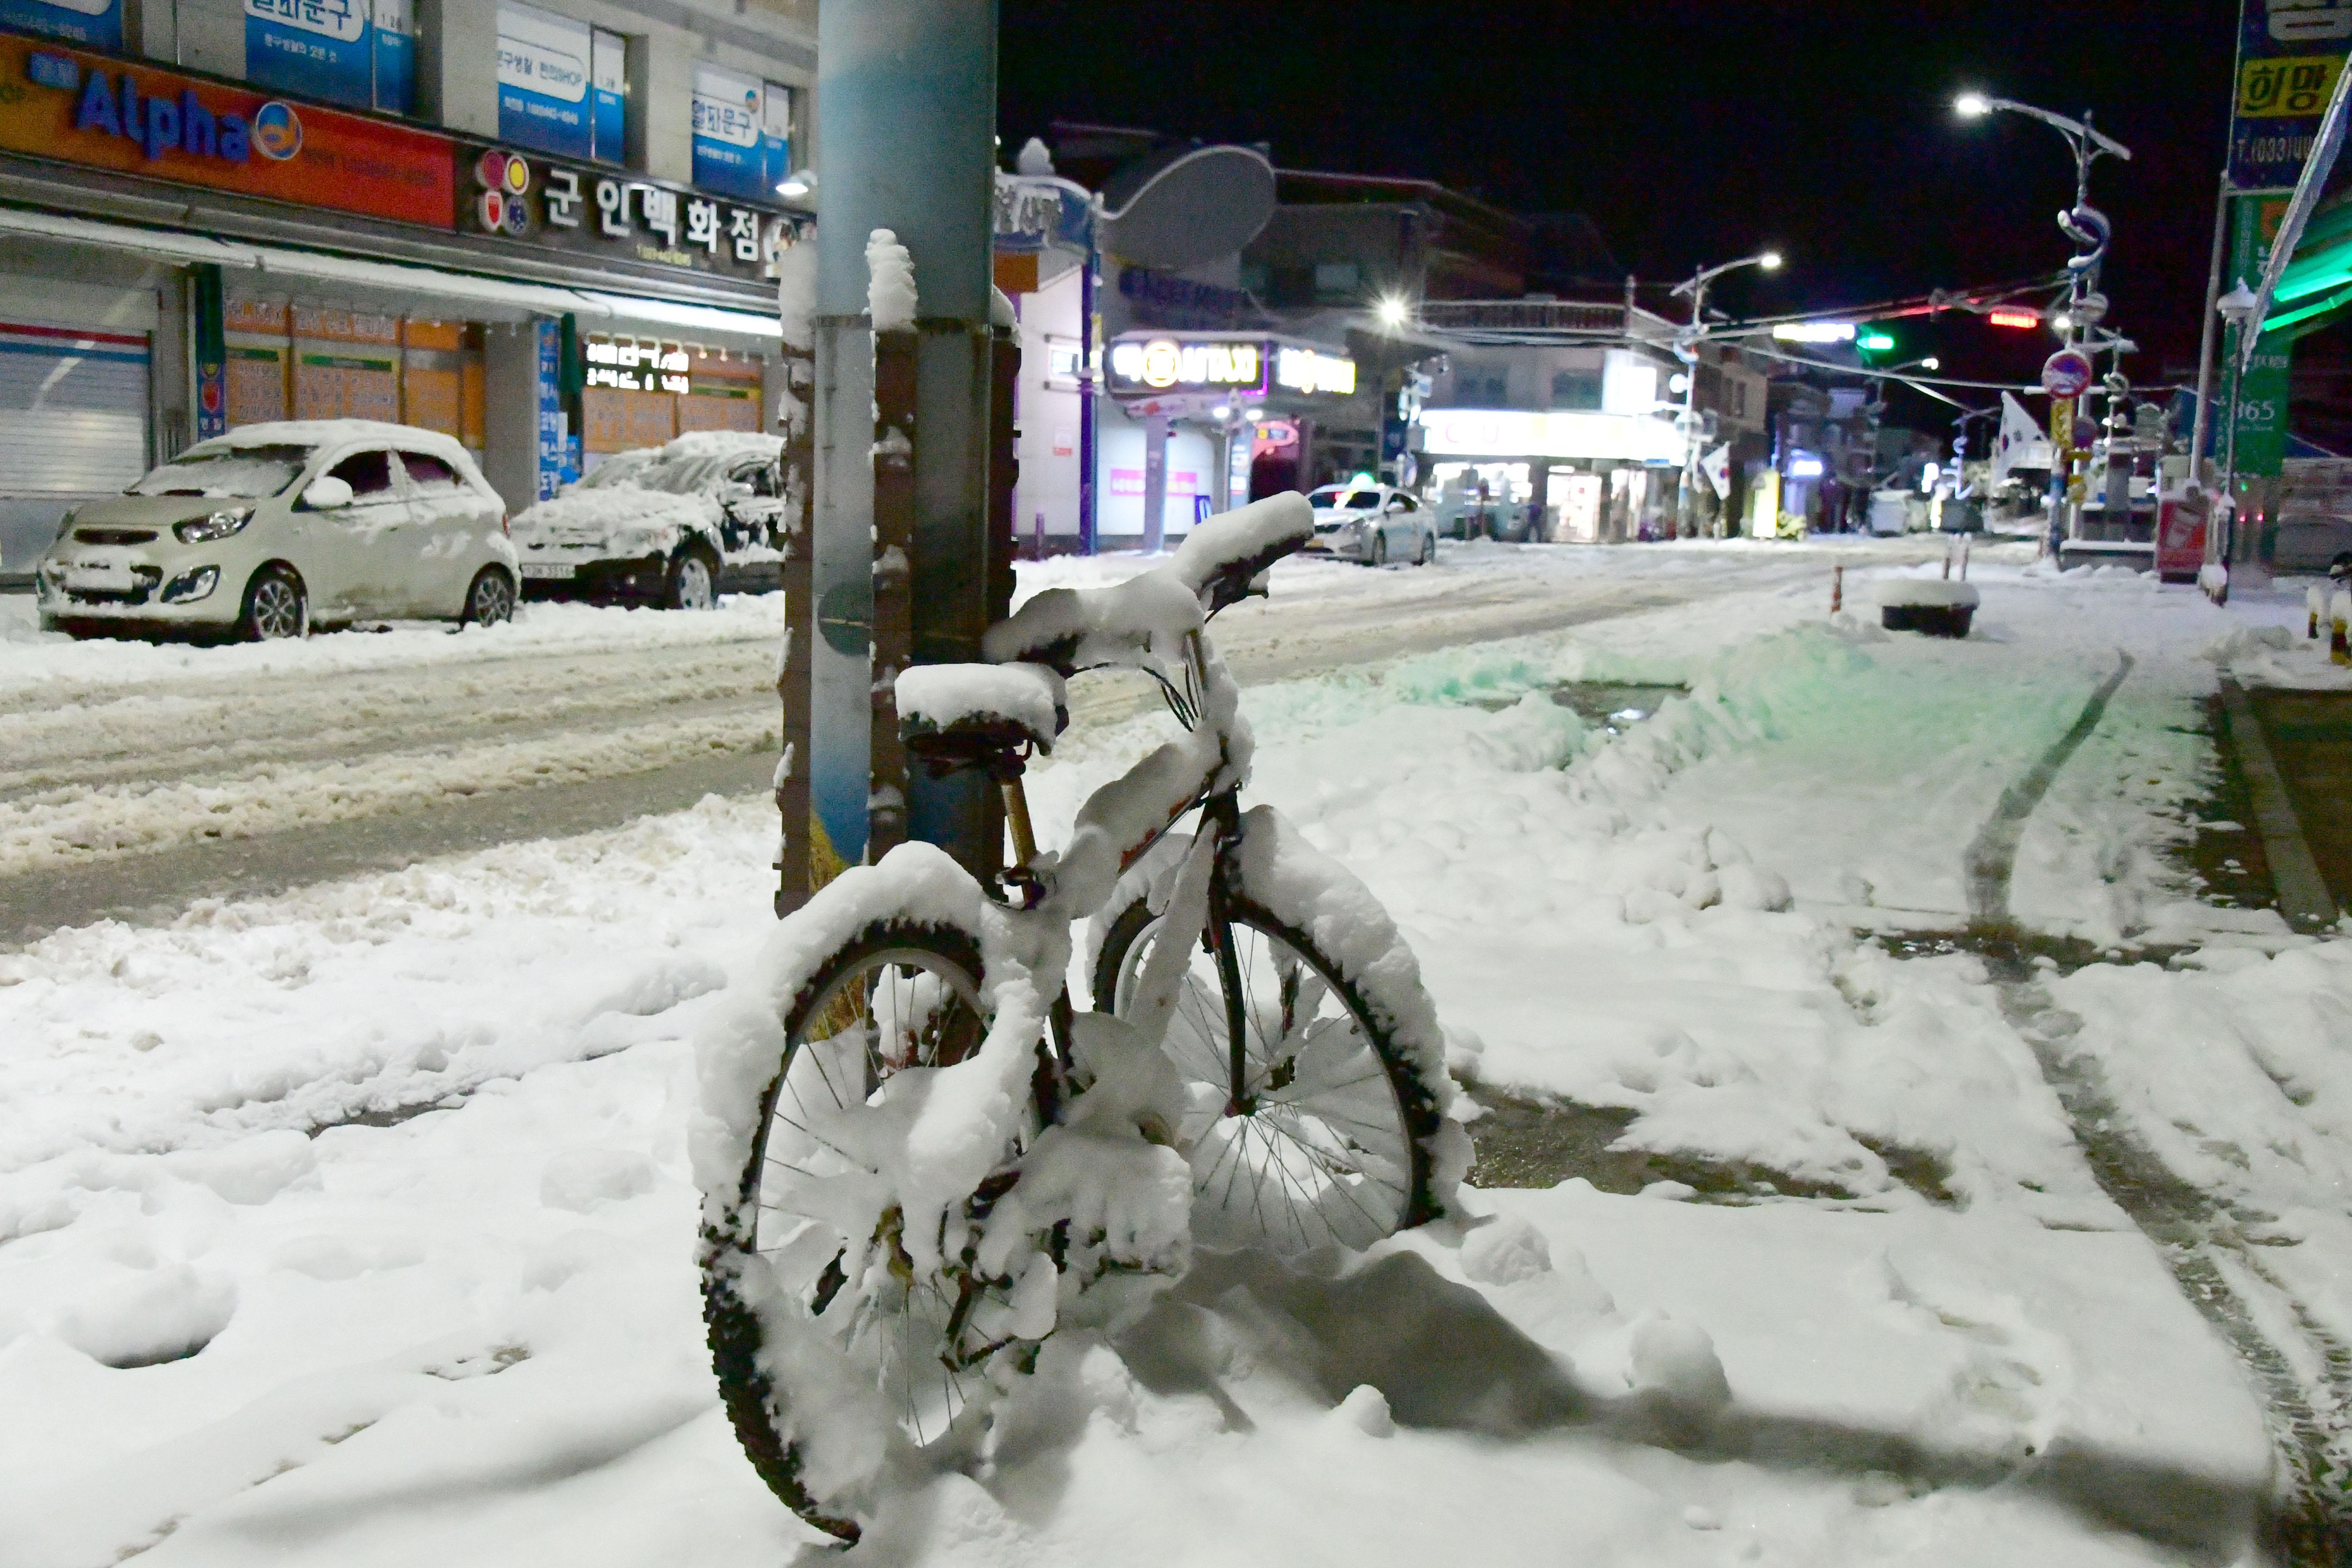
{"points": [[1372, 523], [2311, 542], [273, 529], [674, 525]]}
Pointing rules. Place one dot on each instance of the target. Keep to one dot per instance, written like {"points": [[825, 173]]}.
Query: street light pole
{"points": [[2084, 224], [1694, 287]]}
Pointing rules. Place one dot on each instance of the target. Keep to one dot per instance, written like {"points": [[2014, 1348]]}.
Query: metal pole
{"points": [[2204, 423], [906, 105], [1686, 506], [1089, 346], [798, 862]]}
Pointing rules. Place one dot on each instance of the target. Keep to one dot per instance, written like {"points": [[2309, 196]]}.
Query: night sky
{"points": [[1693, 134]]}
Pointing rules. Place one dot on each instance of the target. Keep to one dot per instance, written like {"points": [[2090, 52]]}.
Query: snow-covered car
{"points": [[1372, 523], [674, 525], [272, 528]]}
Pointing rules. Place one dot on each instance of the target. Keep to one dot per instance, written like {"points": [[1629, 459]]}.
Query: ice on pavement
{"points": [[407, 1156]]}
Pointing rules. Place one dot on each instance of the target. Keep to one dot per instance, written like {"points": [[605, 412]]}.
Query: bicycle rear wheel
{"points": [[827, 1336], [1327, 1132]]}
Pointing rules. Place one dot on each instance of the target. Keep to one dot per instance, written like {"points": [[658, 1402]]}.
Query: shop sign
{"points": [[1310, 371], [84, 108], [360, 52], [543, 76], [628, 366], [1140, 367], [552, 433], [2258, 400], [595, 213], [93, 24], [1515, 433], [1039, 213], [1165, 301], [2290, 53], [742, 133]]}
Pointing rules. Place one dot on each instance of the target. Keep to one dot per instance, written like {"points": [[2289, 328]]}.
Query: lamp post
{"points": [[2083, 223], [1694, 289]]}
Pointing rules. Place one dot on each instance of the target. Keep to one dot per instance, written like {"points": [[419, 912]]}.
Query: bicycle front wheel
{"points": [[826, 1331], [1307, 1125]]}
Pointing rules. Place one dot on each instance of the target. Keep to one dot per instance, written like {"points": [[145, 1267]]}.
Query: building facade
{"points": [[549, 231]]}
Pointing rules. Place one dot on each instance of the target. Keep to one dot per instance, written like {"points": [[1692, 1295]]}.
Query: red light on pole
{"points": [[2014, 316]]}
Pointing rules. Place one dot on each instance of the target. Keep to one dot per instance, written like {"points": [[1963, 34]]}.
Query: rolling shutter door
{"points": [[73, 410]]}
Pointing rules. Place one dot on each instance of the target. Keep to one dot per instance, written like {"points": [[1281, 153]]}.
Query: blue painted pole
{"points": [[905, 117]]}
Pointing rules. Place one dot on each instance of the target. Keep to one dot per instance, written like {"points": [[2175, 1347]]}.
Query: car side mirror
{"points": [[326, 492]]}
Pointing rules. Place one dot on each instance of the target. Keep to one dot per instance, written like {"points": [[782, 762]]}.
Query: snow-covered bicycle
{"points": [[916, 1158]]}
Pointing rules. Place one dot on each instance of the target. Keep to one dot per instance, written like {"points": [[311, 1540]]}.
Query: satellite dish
{"points": [[1187, 205]]}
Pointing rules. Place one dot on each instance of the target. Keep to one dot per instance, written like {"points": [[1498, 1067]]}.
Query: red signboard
{"points": [[2180, 539], [107, 113]]}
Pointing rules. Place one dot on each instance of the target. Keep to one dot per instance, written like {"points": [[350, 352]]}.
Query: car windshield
{"points": [[225, 473]]}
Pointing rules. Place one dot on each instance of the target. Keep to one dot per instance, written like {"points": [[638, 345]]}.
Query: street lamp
{"points": [[798, 188], [1392, 311], [1694, 289], [2083, 223]]}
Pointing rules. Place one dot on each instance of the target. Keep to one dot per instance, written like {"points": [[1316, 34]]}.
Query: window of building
{"points": [[742, 133], [1480, 388], [1576, 389], [1337, 277], [563, 85], [360, 52]]}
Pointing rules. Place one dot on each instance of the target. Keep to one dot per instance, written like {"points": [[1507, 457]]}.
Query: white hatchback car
{"points": [[1372, 523], [673, 525], [274, 528]]}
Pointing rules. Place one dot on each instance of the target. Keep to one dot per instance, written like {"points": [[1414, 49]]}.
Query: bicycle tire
{"points": [[770, 1347], [1418, 1128]]}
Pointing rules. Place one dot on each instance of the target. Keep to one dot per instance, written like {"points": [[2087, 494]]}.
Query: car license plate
{"points": [[100, 577], [557, 569]]}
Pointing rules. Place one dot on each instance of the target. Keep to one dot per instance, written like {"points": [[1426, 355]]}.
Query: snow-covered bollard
{"points": [[1939, 609]]}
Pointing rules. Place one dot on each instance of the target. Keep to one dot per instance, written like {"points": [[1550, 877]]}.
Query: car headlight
{"points": [[220, 525]]}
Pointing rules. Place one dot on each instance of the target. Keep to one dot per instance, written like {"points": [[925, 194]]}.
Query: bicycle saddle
{"points": [[966, 715]]}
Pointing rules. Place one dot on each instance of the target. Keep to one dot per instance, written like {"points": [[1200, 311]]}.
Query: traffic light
{"points": [[1873, 343], [2014, 316]]}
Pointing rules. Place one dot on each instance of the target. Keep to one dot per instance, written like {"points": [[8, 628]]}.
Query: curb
{"points": [[2302, 894]]}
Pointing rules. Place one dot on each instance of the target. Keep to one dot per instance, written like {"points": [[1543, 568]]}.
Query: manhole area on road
{"points": [[1526, 1142], [1614, 706], [2310, 738]]}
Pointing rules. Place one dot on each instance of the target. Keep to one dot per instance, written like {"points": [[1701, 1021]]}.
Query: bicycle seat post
{"points": [[1016, 816]]}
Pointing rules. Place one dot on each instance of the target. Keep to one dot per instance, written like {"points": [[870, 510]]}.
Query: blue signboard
{"points": [[93, 24], [394, 37], [731, 153], [543, 76], [609, 87], [552, 432], [360, 52], [2290, 53]]}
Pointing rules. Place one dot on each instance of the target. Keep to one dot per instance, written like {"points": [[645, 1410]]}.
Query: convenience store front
{"points": [[545, 314]]}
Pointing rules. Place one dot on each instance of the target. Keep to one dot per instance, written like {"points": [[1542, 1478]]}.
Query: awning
{"points": [[592, 306]]}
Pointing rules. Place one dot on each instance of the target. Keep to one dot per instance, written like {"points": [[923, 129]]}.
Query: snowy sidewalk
{"points": [[473, 1333]]}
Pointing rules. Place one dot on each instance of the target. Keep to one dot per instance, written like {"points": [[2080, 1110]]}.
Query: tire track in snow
{"points": [[2200, 1237]]}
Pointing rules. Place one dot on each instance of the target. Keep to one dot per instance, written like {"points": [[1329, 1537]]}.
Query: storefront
{"points": [[1199, 423], [180, 255], [1563, 478]]}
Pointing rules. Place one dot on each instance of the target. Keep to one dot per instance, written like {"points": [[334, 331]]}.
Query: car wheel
{"points": [[275, 606], [1428, 551], [1380, 548], [489, 601], [693, 582]]}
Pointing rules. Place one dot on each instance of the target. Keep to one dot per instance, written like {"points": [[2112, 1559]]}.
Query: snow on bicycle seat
{"points": [[1222, 561], [958, 714]]}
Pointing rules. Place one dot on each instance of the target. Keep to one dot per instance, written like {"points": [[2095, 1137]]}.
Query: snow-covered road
{"points": [[115, 752], [404, 1155]]}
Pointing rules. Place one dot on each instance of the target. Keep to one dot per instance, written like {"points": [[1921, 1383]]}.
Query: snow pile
{"points": [[1900, 591], [933, 697], [796, 295], [890, 283]]}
